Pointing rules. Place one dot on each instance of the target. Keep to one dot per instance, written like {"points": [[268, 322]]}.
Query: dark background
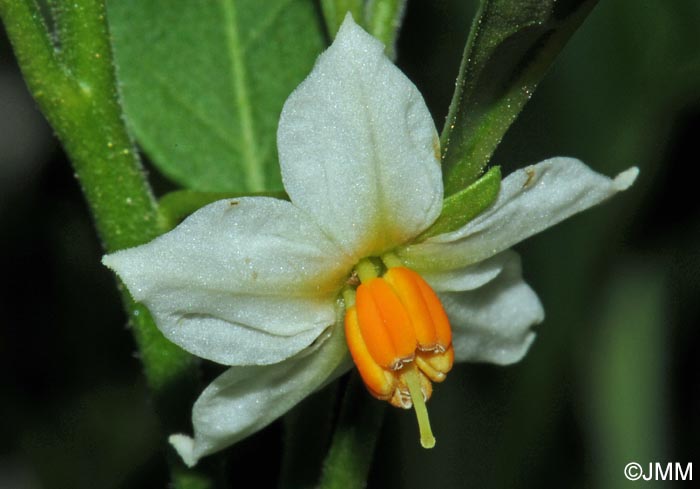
{"points": [[612, 378]]}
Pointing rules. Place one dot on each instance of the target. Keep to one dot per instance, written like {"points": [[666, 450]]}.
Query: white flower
{"points": [[256, 283]]}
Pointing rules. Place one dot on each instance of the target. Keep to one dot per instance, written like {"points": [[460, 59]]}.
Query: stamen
{"points": [[349, 297], [391, 260], [399, 336], [366, 270], [412, 379], [429, 371]]}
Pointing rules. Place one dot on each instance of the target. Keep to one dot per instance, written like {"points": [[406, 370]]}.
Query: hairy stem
{"points": [[352, 448], [77, 91]]}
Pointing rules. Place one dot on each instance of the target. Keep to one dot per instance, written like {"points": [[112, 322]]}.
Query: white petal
{"points": [[358, 148], [465, 278], [492, 324], [239, 282], [244, 400], [530, 200]]}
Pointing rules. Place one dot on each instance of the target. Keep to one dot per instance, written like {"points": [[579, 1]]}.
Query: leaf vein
{"points": [[266, 24], [255, 179]]}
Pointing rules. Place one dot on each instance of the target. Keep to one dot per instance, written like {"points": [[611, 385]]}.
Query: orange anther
{"points": [[371, 325], [381, 383], [435, 365], [427, 314], [385, 324], [405, 283], [437, 313]]}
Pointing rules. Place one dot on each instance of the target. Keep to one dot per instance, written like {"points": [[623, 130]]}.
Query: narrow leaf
{"points": [[626, 376], [383, 19], [203, 83], [511, 45]]}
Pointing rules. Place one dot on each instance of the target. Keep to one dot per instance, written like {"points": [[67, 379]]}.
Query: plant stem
{"points": [[307, 434], [383, 19], [77, 94], [77, 91], [352, 448]]}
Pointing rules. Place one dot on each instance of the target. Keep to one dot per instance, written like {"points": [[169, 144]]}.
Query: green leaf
{"points": [[511, 45], [175, 206], [334, 12], [381, 18], [460, 208], [203, 83]]}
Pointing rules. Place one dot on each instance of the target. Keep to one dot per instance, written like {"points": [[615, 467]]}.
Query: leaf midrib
{"points": [[255, 177]]}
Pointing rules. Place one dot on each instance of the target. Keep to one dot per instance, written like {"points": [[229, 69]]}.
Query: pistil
{"points": [[411, 378]]}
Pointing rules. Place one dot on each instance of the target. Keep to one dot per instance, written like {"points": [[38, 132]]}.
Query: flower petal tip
{"points": [[625, 179], [353, 37], [349, 19], [108, 261], [184, 445], [117, 261], [349, 25], [514, 355]]}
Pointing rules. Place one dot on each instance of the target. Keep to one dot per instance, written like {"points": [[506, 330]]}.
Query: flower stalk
{"points": [[352, 447]]}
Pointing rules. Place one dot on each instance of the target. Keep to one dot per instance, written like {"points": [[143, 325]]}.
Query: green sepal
{"points": [[460, 208]]}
